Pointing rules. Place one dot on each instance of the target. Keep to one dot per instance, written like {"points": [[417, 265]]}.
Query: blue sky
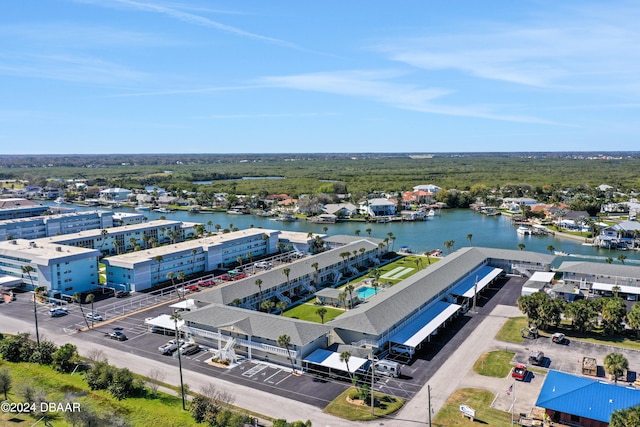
{"points": [[147, 76]]}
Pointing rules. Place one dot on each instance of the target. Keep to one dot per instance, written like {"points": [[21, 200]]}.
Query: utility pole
{"points": [[373, 372], [429, 399], [475, 294], [175, 318]]}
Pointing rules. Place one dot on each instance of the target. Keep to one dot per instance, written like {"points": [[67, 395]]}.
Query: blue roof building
{"points": [[584, 401]]}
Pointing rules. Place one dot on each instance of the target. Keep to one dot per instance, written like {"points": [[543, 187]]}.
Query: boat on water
{"points": [[285, 218], [383, 220], [143, 208], [235, 212], [431, 213], [163, 210], [524, 231], [60, 201], [561, 253]]}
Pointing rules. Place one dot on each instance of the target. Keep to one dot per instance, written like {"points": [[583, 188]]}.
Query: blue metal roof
{"points": [[585, 397], [469, 281]]}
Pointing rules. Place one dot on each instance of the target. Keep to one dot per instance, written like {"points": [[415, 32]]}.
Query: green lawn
{"points": [[480, 400], [384, 405], [140, 412], [309, 312], [510, 331], [494, 364]]}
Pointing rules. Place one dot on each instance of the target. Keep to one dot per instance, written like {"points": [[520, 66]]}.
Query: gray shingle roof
{"points": [[257, 324], [384, 310], [599, 268], [244, 288]]}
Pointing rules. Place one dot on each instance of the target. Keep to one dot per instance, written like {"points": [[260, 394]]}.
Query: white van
{"points": [[388, 368]]}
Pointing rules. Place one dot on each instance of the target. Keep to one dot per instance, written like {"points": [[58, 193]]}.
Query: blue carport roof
{"points": [[422, 326], [484, 275], [585, 397]]}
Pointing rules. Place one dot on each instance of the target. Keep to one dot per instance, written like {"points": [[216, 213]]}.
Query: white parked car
{"points": [[94, 316], [170, 346]]}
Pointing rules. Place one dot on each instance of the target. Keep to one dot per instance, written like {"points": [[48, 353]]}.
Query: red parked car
{"points": [[239, 276], [519, 372], [224, 277], [192, 288], [206, 283]]}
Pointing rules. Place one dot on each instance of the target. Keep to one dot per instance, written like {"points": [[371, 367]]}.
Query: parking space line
{"points": [[273, 375], [278, 383]]}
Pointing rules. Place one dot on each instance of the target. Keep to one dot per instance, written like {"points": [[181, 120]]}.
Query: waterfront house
{"points": [[378, 207]]}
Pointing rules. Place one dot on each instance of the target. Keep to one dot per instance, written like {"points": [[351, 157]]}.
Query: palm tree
{"points": [[267, 305], [286, 272], [344, 256], [448, 245], [103, 239], [521, 246], [621, 258], [350, 288], [356, 232], [615, 290], [171, 275], [615, 364], [77, 297], [89, 299], [217, 227], [325, 229], [342, 297], [158, 259], [193, 260], [551, 249], [181, 277], [27, 269], [282, 306], [176, 317], [375, 285], [209, 224], [258, 283], [469, 238], [368, 230], [285, 341], [608, 260], [344, 358], [145, 240], [321, 312], [315, 266]]}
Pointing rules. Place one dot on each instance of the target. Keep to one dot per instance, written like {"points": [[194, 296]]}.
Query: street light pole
{"points": [[176, 317], [373, 373], [429, 398]]}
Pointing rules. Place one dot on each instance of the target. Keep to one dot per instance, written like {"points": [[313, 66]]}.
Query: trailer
{"points": [[388, 367], [589, 366]]}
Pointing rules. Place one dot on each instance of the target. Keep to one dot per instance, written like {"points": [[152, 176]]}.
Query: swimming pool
{"points": [[365, 292]]}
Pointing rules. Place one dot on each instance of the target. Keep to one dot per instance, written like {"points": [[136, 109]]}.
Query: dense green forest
{"points": [[333, 173]]}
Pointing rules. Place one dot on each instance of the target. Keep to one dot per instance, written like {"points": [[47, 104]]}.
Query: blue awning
{"points": [[467, 287], [425, 324]]}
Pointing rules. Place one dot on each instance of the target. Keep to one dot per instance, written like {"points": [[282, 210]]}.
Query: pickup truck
{"points": [[536, 357], [170, 347]]}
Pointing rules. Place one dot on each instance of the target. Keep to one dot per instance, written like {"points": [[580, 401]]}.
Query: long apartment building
{"points": [[20, 208], [141, 270], [54, 225]]}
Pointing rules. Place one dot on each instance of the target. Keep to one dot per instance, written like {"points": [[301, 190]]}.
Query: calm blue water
{"points": [[419, 236], [365, 292]]}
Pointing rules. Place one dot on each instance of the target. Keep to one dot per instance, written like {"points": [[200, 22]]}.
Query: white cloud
{"points": [[376, 85], [591, 48]]}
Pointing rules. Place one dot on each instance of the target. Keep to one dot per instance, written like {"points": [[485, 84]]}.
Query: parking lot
{"points": [[279, 380]]}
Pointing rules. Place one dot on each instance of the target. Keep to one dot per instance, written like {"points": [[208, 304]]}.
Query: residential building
{"points": [[115, 194], [14, 208], [54, 225], [378, 207], [602, 278], [59, 269], [341, 210], [144, 269]]}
